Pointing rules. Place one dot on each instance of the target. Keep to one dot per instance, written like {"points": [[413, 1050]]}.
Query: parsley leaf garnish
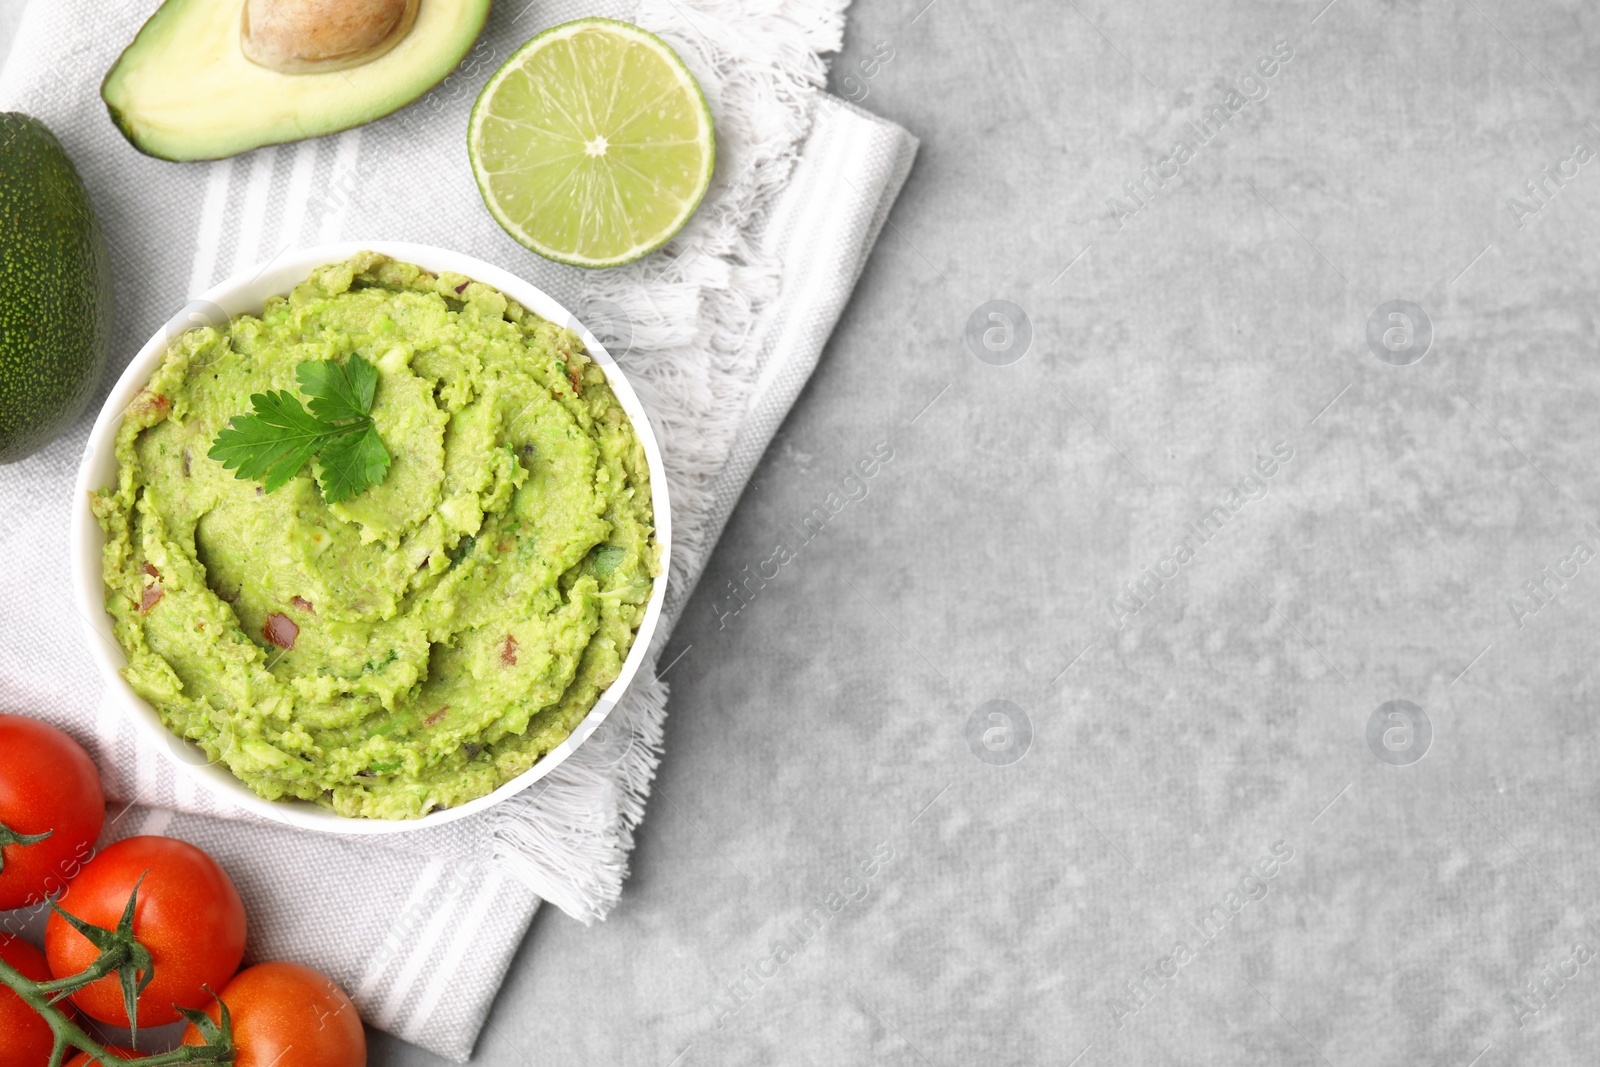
{"points": [[272, 442], [338, 390], [350, 463], [276, 439]]}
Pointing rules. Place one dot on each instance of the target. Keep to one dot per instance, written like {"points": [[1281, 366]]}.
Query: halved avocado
{"points": [[184, 88]]}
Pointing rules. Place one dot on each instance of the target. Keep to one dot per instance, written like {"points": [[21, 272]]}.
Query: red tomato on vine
{"points": [[48, 786], [27, 1037], [286, 1015], [189, 916]]}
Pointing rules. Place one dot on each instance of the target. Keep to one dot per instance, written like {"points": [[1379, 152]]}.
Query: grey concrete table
{"points": [[1199, 523]]}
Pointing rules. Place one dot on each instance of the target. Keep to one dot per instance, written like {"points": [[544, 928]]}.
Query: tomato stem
{"points": [[9, 837], [122, 955], [68, 1035]]}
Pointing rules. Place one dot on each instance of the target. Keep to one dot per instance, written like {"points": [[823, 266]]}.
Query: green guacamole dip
{"points": [[421, 643]]}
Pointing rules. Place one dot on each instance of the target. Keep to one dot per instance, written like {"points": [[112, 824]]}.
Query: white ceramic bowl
{"points": [[244, 294]]}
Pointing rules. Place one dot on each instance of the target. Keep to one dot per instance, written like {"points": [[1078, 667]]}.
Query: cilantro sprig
{"points": [[279, 436]]}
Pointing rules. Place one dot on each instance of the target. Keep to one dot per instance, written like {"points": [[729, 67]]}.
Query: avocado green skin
{"points": [[55, 289]]}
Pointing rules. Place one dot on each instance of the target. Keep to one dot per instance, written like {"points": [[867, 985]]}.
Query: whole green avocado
{"points": [[55, 289]]}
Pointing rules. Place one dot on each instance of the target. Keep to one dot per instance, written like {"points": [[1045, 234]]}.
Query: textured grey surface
{"points": [[830, 716]]}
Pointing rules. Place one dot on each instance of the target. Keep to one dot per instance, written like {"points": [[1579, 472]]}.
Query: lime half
{"points": [[592, 144]]}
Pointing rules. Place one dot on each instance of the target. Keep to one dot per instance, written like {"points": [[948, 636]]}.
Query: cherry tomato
{"points": [[83, 1059], [189, 916], [286, 1015], [28, 1039], [47, 782]]}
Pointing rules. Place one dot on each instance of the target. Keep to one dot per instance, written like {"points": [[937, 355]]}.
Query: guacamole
{"points": [[419, 644]]}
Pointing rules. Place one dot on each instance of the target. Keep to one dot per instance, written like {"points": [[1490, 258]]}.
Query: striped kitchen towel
{"points": [[718, 331]]}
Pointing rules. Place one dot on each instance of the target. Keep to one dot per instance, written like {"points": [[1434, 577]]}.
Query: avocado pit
{"points": [[313, 36]]}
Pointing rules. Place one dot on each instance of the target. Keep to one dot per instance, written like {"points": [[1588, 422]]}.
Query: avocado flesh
{"points": [[55, 289], [184, 89]]}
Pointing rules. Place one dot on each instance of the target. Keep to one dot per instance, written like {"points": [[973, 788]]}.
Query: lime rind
{"points": [[637, 163]]}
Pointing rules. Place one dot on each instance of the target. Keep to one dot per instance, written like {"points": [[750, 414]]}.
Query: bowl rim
{"points": [[245, 292]]}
